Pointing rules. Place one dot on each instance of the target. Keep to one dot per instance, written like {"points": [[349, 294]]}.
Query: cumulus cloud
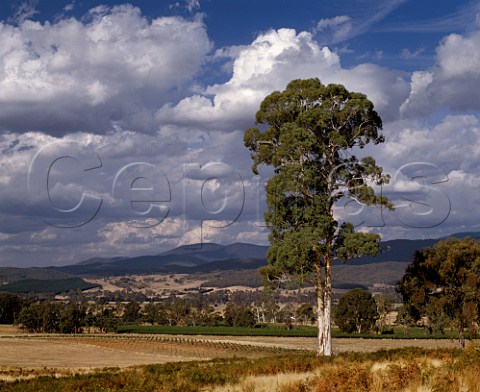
{"points": [[110, 70], [273, 59], [435, 181], [453, 83], [197, 184], [269, 63], [125, 88]]}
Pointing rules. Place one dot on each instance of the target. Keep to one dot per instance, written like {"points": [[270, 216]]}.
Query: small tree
{"points": [[131, 312], [150, 313], [356, 311], [286, 315], [444, 280], [73, 318], [105, 320], [51, 317], [229, 314], [384, 306], [244, 318], [30, 318], [309, 137], [306, 314], [10, 306], [179, 312]]}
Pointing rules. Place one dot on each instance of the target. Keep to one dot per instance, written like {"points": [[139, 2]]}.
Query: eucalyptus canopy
{"points": [[308, 134], [444, 281]]}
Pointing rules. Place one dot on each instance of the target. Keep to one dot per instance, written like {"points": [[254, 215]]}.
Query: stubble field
{"points": [[26, 356]]}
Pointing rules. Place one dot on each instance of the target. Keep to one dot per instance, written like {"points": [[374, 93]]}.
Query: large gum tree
{"points": [[309, 133], [443, 281]]}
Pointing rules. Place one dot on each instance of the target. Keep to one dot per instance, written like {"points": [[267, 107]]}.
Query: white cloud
{"points": [[204, 173], [453, 83], [407, 54], [435, 182], [26, 10], [340, 27], [113, 69], [44, 235], [269, 63], [466, 15], [69, 7], [192, 5], [335, 21]]}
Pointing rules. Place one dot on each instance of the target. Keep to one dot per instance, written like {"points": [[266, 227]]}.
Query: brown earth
{"points": [[25, 355], [96, 351]]}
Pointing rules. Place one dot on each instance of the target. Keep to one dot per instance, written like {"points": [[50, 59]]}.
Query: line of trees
{"points": [[76, 317]]}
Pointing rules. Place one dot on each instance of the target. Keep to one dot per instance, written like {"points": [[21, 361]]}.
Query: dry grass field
{"points": [[25, 356]]}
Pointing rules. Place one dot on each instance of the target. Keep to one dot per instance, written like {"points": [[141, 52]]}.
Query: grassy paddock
{"points": [[281, 331], [405, 369]]}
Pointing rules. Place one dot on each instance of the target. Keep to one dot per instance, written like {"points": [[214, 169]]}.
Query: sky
{"points": [[121, 124]]}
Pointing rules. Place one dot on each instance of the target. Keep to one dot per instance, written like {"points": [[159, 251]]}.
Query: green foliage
{"points": [[10, 306], [356, 311], [310, 132], [244, 318], [310, 126], [443, 284], [178, 312], [105, 319], [73, 318], [155, 313], [278, 330], [131, 312], [51, 317], [266, 330], [229, 314], [238, 316], [223, 279], [31, 318], [306, 314]]}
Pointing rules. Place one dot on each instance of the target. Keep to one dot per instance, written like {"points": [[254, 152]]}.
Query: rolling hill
{"points": [[386, 267], [185, 259], [55, 286], [213, 257]]}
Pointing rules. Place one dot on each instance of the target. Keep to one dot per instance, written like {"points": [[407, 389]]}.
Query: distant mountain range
{"points": [[215, 257], [235, 262], [184, 259]]}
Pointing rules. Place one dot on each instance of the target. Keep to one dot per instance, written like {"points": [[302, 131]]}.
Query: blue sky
{"points": [[121, 124]]}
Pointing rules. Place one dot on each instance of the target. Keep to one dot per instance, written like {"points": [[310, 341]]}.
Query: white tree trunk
{"points": [[323, 291], [320, 319], [326, 348]]}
